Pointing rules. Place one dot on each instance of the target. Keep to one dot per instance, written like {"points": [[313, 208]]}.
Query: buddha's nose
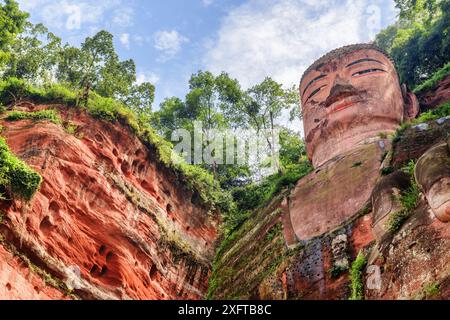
{"points": [[341, 88]]}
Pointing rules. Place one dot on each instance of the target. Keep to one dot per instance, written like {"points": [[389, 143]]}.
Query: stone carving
{"points": [[433, 176], [386, 201], [351, 99], [349, 95]]}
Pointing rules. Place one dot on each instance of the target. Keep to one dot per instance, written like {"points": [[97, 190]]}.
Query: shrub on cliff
{"points": [[15, 176], [356, 277], [50, 115], [13, 90], [434, 80]]}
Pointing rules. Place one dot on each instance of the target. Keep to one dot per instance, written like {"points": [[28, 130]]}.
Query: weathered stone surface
{"points": [[337, 191], [415, 141], [17, 281], [108, 208], [433, 176], [418, 257], [386, 201]]}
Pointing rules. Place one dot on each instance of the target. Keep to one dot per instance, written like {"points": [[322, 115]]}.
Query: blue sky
{"points": [[169, 40]]}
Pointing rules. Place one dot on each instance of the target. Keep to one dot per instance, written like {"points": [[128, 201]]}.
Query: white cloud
{"points": [[125, 40], [169, 43], [123, 17], [74, 15], [281, 39], [207, 3], [147, 77]]}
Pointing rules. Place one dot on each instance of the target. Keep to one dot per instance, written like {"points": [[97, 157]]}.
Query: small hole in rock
{"points": [[8, 286], [102, 249], [153, 272], [94, 269], [125, 168], [109, 256], [104, 270], [115, 153], [45, 225]]}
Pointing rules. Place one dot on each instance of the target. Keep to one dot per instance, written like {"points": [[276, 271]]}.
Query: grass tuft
{"points": [[356, 277]]}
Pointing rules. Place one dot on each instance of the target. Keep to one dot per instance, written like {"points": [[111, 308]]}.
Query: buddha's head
{"points": [[350, 95]]}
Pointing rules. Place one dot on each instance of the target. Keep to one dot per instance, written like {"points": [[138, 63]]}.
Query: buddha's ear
{"points": [[411, 103]]}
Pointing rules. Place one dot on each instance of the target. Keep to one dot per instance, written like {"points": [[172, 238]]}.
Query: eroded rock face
{"points": [[436, 96], [18, 281], [109, 211]]}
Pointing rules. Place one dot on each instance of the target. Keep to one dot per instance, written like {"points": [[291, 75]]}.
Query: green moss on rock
{"points": [[49, 115], [15, 176]]}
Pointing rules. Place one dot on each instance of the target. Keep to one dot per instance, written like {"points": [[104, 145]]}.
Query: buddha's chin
{"points": [[338, 140]]}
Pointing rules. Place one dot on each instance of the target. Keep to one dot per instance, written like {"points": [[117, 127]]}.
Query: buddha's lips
{"points": [[342, 106]]}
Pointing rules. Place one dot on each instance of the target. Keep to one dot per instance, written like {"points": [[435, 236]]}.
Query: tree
{"points": [[419, 42], [171, 116], [12, 22], [96, 66], [34, 55], [292, 147], [419, 11], [264, 105], [140, 99]]}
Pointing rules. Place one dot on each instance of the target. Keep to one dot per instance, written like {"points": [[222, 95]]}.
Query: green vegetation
{"points": [[256, 195], [432, 290], [408, 199], [336, 271], [274, 231], [387, 171], [434, 80], [419, 42], [15, 176], [238, 268], [357, 165], [356, 277], [49, 114], [12, 22], [440, 112]]}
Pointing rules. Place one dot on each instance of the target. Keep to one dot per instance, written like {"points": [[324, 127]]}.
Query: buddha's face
{"points": [[348, 100]]}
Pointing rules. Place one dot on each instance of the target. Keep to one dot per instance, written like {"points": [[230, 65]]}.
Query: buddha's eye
{"points": [[315, 92], [360, 73]]}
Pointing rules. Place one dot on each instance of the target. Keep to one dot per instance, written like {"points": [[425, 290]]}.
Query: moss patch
{"points": [[49, 115], [356, 277], [408, 200], [15, 176]]}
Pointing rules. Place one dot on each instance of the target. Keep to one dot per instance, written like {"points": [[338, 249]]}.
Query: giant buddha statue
{"points": [[348, 96], [352, 100]]}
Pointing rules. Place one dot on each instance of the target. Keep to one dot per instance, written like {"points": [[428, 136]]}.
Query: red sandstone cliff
{"points": [[109, 222]]}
